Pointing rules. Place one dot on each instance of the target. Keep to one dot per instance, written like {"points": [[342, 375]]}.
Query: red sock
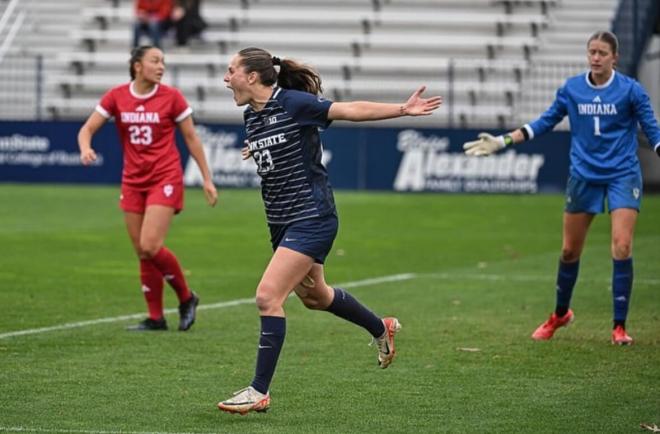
{"points": [[171, 270], [152, 287]]}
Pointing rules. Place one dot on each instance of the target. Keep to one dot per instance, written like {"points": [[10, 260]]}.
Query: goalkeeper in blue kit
{"points": [[604, 108]]}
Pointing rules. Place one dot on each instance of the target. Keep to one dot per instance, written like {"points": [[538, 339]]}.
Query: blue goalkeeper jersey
{"points": [[603, 125], [284, 140]]}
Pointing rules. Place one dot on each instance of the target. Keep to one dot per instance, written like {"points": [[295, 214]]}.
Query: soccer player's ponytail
{"points": [[291, 75]]}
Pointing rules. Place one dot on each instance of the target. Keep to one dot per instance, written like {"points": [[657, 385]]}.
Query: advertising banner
{"points": [[416, 160], [48, 152], [364, 158]]}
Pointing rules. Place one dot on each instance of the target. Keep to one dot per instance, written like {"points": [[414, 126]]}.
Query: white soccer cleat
{"points": [[385, 343], [245, 401]]}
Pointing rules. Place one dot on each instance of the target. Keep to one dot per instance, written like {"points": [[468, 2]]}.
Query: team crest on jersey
{"points": [[168, 190], [635, 193]]}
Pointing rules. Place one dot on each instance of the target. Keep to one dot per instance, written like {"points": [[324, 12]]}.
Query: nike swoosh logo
{"points": [[288, 240], [267, 333], [387, 353], [265, 346]]}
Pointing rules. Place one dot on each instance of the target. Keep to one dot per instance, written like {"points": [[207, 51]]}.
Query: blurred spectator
{"points": [[188, 21], [153, 18]]}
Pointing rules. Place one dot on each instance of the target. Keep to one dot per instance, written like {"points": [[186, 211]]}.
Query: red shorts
{"points": [[137, 200]]}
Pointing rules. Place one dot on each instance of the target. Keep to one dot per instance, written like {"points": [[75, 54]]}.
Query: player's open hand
{"points": [[87, 157], [211, 193], [486, 145], [418, 106]]}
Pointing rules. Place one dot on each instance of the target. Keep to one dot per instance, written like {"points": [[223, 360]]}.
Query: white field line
{"points": [[354, 284], [522, 278], [237, 302], [82, 431]]}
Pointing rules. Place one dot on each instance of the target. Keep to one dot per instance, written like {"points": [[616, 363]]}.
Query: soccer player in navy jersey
{"points": [[604, 108], [147, 114], [282, 121]]}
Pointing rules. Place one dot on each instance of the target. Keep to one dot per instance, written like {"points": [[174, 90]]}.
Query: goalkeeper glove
{"points": [[486, 145]]}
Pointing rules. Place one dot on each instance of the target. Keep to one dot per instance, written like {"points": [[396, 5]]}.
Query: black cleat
{"points": [[149, 325], [187, 312]]}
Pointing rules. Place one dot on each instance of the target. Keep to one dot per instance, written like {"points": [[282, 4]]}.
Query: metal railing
{"points": [[16, 20]]}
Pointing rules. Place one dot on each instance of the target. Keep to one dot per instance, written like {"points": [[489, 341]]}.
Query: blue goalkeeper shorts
{"points": [[589, 197], [311, 237]]}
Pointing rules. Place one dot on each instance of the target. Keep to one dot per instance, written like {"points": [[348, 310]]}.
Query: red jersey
{"points": [[161, 9], [147, 126]]}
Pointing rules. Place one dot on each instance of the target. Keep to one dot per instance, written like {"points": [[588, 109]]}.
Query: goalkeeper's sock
{"points": [[169, 266], [566, 278], [152, 288], [622, 279], [271, 340], [345, 306], [617, 323]]}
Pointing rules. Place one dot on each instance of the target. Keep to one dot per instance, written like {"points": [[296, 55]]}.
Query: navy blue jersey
{"points": [[283, 138], [603, 125]]}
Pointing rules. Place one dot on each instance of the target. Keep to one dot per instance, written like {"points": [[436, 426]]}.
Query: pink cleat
{"points": [[620, 337], [385, 343], [548, 328], [245, 401]]}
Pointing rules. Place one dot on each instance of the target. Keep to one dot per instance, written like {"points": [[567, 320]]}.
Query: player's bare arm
{"points": [[91, 126], [196, 149], [372, 111]]}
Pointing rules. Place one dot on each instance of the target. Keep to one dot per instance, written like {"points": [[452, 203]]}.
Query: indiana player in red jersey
{"points": [[147, 113]]}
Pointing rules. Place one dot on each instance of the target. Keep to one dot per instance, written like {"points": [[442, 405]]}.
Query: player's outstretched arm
{"points": [[357, 111]]}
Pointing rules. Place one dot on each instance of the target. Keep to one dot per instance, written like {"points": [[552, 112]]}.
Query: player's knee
{"points": [[266, 298], [311, 302], [319, 299], [570, 254], [148, 250], [621, 249]]}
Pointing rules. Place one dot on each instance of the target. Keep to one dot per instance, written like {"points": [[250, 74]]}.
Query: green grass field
{"points": [[469, 277]]}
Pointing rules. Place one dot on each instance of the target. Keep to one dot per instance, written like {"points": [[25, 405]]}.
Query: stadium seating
{"points": [[489, 58]]}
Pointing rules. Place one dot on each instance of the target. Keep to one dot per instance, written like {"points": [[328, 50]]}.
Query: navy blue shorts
{"points": [[583, 196], [311, 237]]}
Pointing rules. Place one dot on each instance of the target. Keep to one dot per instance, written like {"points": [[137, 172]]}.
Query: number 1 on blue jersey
{"points": [[596, 126]]}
